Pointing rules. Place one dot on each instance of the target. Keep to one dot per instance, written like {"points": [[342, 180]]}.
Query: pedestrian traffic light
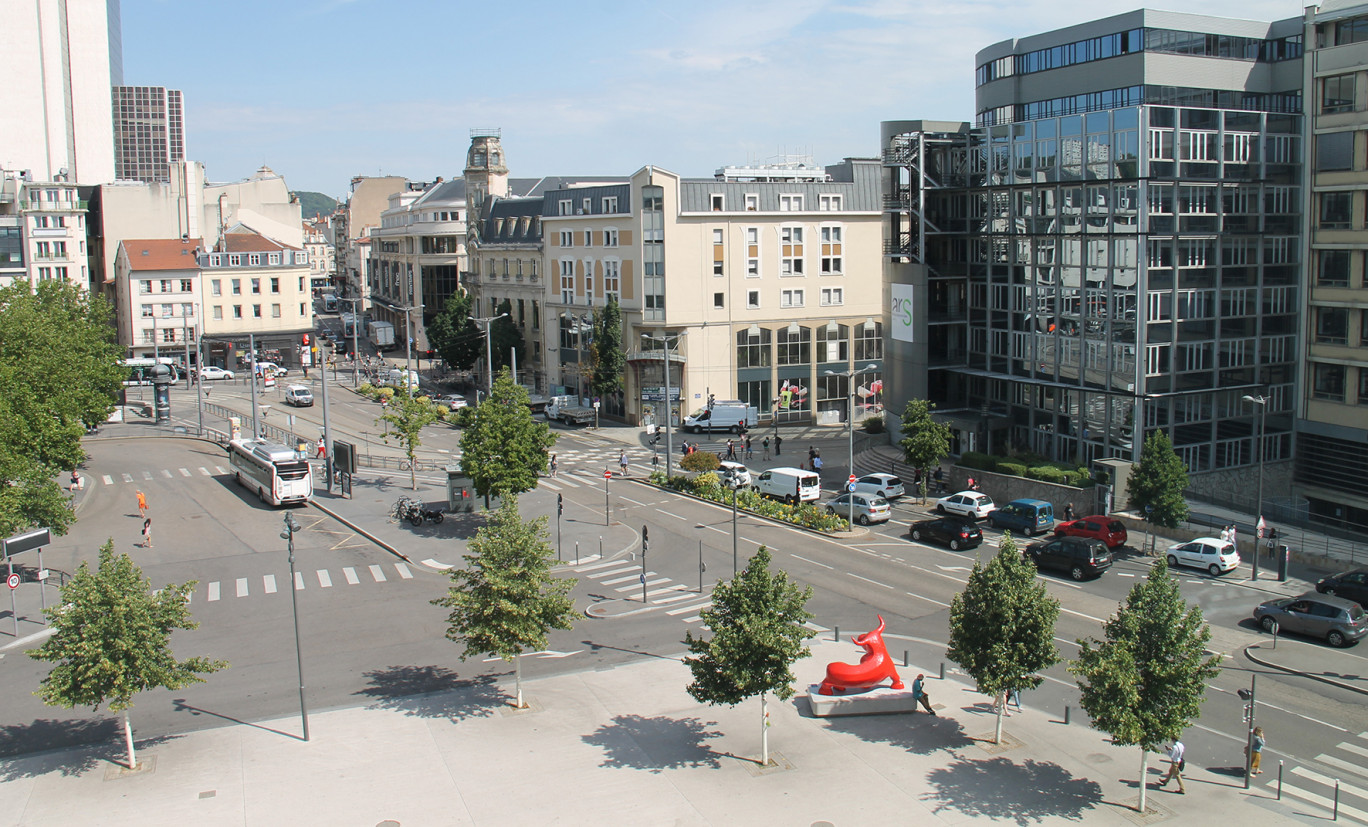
{"points": [[711, 398], [306, 340], [560, 504]]}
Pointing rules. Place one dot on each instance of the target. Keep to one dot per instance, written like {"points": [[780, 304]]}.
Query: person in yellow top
{"points": [[142, 505]]}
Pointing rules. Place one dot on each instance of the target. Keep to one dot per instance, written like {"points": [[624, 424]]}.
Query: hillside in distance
{"points": [[314, 203]]}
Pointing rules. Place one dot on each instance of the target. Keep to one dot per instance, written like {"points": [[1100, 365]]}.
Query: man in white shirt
{"points": [[1176, 764]]}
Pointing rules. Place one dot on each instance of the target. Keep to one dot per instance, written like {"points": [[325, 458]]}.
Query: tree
{"points": [[756, 620], [608, 357], [408, 416], [1157, 482], [925, 441], [504, 337], [1145, 682], [503, 451], [454, 334], [112, 639], [1002, 627], [700, 462], [506, 599], [59, 375]]}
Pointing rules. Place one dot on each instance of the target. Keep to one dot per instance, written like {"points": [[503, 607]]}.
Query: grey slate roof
{"points": [[511, 221]]}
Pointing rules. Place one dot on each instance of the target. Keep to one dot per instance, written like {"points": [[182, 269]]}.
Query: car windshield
{"points": [[880, 502], [701, 413]]}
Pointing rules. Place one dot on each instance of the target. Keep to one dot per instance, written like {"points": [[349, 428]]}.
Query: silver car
{"points": [[868, 508], [1341, 622], [884, 485]]}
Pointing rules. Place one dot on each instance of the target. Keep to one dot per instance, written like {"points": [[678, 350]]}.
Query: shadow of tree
{"points": [[434, 692], [1031, 791], [655, 744], [917, 733], [69, 747]]}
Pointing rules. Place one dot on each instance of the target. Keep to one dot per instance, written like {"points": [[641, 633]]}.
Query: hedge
{"points": [[1047, 473], [1011, 469], [974, 459], [706, 486]]}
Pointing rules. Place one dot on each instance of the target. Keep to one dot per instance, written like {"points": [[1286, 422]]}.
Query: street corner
{"points": [[1309, 661], [615, 607]]}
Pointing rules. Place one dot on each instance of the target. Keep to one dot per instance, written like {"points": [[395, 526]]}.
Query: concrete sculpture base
{"points": [[878, 700]]}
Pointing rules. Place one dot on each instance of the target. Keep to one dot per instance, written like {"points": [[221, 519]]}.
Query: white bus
{"points": [[140, 369], [277, 473]]}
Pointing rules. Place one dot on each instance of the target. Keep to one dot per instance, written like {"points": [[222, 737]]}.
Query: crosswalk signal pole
{"points": [[1247, 695], [560, 509], [645, 546], [291, 526]]}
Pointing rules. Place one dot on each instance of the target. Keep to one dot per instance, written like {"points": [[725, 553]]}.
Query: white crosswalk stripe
{"points": [[350, 574], [108, 480], [403, 571], [687, 609], [268, 583], [634, 575], [147, 475], [166, 473], [648, 584], [602, 564], [551, 485], [1318, 788], [205, 471], [675, 598], [185, 472], [219, 469], [242, 587], [214, 591], [324, 579], [378, 574], [127, 477], [299, 581]]}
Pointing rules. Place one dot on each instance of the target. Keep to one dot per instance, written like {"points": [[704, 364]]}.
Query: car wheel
{"points": [[831, 511], [1214, 569], [1172, 561], [788, 499], [863, 519], [736, 429], [940, 509], [916, 534], [992, 523], [954, 545], [1267, 623], [1077, 572], [1330, 590], [1335, 638]]}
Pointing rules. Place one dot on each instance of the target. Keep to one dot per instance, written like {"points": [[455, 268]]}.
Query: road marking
{"points": [[324, 579], [350, 573], [712, 528], [927, 599], [128, 477], [587, 567], [1322, 800], [213, 591], [185, 472], [147, 475], [1344, 765], [205, 471], [620, 570], [268, 583], [219, 468], [403, 571], [681, 611], [242, 587], [813, 562], [1080, 614], [166, 473], [668, 514], [299, 581], [648, 584], [675, 598], [567, 481], [433, 564], [867, 580], [1354, 748], [630, 500], [671, 588], [550, 485], [108, 480], [378, 573], [694, 619], [631, 576], [758, 543]]}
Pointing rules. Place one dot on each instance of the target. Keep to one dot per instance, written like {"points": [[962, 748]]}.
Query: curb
{"points": [[359, 530], [854, 532], [1271, 665]]}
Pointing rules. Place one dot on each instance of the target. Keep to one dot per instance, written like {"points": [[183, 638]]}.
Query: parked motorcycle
{"points": [[415, 512]]}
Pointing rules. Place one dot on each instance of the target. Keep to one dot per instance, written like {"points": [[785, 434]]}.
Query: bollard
{"points": [[1280, 769], [1066, 715], [942, 674], [1336, 816], [577, 552], [904, 658], [600, 547], [836, 633]]}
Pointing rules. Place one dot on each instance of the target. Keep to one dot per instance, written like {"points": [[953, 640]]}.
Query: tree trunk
{"points": [[517, 672], [1001, 710], [764, 730], [1144, 776], [128, 740]]}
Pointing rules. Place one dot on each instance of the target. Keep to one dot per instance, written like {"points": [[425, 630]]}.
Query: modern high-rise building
{"points": [[59, 59], [1113, 247], [149, 132]]}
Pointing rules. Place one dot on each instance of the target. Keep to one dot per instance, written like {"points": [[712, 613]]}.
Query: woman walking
{"points": [[147, 532], [553, 466], [1257, 755]]}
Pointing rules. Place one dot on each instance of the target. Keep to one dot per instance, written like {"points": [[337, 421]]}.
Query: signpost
{"points": [[17, 544], [850, 489], [607, 475]]}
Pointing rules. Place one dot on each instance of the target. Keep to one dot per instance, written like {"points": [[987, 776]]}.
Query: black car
{"points": [[1079, 556], [951, 531], [1351, 585]]}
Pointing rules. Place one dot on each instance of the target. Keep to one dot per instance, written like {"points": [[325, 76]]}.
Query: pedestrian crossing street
{"points": [[161, 474], [215, 591], [662, 593], [1346, 763]]}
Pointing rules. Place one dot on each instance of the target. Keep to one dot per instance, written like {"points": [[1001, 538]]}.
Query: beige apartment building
{"points": [[255, 285], [42, 231], [157, 295]]}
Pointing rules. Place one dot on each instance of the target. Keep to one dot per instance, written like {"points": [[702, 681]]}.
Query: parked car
{"points": [[1351, 585], [212, 373], [951, 531], [868, 508], [733, 474], [450, 400], [1098, 527], [299, 396], [969, 504], [885, 485], [1025, 516], [1079, 556], [1338, 620], [1216, 556]]}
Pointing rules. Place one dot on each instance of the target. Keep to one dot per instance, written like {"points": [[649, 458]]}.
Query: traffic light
{"points": [[645, 539], [711, 398], [560, 504], [306, 340]]}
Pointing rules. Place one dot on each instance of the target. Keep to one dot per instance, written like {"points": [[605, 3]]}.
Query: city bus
{"points": [[140, 369], [278, 474]]}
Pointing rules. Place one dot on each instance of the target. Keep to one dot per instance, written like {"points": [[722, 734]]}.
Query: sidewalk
{"points": [[1299, 657], [625, 746]]}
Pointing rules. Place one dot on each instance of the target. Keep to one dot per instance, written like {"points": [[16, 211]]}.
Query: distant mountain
{"points": [[315, 203]]}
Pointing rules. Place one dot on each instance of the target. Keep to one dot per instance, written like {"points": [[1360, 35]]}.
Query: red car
{"points": [[1112, 532]]}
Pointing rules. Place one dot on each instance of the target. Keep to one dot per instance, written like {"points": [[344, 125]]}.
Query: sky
{"points": [[325, 90]]}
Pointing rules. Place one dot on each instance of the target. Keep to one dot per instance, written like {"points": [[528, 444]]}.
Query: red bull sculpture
{"points": [[872, 669]]}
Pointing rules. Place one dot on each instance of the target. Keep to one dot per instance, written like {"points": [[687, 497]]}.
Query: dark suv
{"points": [[1079, 556], [1351, 585]]}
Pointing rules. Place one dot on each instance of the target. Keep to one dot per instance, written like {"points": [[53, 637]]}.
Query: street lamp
{"points": [[291, 526], [579, 323], [850, 401], [489, 348], [666, 340], [1262, 402]]}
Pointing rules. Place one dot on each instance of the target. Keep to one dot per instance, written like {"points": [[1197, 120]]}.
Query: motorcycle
{"points": [[416, 512]]}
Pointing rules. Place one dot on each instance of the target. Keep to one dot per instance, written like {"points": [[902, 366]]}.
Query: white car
{"points": [[1216, 556], [969, 504], [733, 474], [885, 485], [210, 373]]}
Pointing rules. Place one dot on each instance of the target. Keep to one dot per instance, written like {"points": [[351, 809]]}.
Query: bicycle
{"points": [[417, 465]]}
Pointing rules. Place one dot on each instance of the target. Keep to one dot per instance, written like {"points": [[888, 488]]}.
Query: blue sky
{"points": [[322, 90]]}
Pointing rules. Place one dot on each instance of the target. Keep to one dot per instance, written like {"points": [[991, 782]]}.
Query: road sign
{"points": [[608, 474], [851, 480], [851, 488], [13, 581]]}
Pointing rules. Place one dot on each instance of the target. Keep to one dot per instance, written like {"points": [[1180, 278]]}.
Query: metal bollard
{"points": [[942, 671], [1280, 769], [836, 633], [1336, 816], [1067, 710], [600, 547], [577, 552], [904, 658]]}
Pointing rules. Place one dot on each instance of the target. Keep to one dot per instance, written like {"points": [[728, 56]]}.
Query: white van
{"points": [[790, 485], [395, 378], [721, 417]]}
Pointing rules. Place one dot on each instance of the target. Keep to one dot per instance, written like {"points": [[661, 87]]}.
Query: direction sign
{"points": [[13, 581], [851, 488]]}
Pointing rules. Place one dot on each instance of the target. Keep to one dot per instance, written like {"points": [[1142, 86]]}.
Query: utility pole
{"points": [[560, 509], [251, 345], [1247, 695], [489, 348], [667, 340], [199, 385], [327, 431], [645, 546], [356, 355], [291, 526]]}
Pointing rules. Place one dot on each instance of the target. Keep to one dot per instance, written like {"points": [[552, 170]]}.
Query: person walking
{"points": [[1176, 765], [553, 465], [939, 477], [764, 443], [812, 454], [622, 461], [1257, 755], [920, 696], [778, 444], [322, 448], [142, 505], [147, 532], [817, 468], [75, 480], [1068, 512], [750, 447], [1014, 699]]}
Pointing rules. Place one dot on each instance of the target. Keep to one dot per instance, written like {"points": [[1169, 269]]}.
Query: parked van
{"points": [[394, 377], [299, 396], [1023, 516], [792, 485], [722, 417]]}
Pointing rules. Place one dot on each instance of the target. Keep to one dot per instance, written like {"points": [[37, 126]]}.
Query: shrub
{"points": [[1079, 478], [462, 417], [700, 461], [1014, 469], [707, 481], [386, 393], [1047, 473], [874, 425], [974, 459], [707, 486]]}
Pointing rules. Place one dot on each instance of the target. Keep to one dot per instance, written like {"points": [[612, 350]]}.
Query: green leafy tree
{"points": [[608, 356], [925, 441], [59, 375], [502, 449], [757, 623], [408, 416], [505, 600], [700, 461], [1002, 627], [504, 337], [1144, 683], [454, 334], [1157, 482], [111, 640]]}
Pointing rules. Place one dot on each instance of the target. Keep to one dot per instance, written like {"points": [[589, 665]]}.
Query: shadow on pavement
{"points": [[1024, 793], [656, 744], [434, 692], [919, 734], [101, 741]]}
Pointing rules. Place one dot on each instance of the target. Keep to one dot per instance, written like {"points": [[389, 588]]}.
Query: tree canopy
{"points": [[408, 416], [925, 441], [505, 337], [502, 449], [454, 334], [1158, 481], [608, 357]]}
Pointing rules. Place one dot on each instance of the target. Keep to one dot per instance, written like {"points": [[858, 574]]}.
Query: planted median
{"points": [[708, 486]]}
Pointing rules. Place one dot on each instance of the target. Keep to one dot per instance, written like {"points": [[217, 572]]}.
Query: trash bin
{"points": [[460, 492], [1283, 555]]}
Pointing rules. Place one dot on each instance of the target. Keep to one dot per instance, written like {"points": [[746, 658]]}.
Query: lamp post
{"points": [[291, 526], [850, 421], [489, 349], [666, 340], [579, 323], [356, 355], [1262, 402]]}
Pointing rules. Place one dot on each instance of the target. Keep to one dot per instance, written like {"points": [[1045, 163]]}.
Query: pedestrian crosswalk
{"points": [[165, 473], [215, 591], [663, 594], [1343, 766]]}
